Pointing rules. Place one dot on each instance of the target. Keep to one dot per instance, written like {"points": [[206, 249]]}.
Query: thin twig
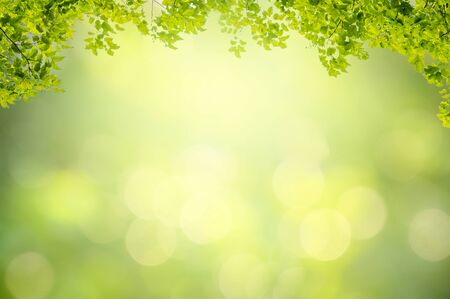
{"points": [[159, 4], [444, 15], [20, 51], [334, 31]]}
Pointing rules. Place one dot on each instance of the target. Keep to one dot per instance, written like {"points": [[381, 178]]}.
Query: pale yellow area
{"points": [[365, 210], [151, 193], [298, 182], [206, 218], [150, 243], [245, 276], [29, 276], [325, 234], [429, 234]]}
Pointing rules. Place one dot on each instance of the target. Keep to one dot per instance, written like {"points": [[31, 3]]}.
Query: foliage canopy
{"points": [[34, 32]]}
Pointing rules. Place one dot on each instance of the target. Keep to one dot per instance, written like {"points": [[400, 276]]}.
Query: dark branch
{"points": [[334, 31], [20, 51], [443, 13]]}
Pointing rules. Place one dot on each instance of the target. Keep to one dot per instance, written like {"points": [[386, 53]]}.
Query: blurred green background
{"points": [[191, 174]]}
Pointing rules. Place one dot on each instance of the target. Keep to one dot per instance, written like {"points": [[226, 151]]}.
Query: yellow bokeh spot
{"points": [[138, 192], [288, 235], [206, 218], [107, 223], [288, 283], [429, 234], [167, 201], [325, 234], [203, 168], [29, 276], [364, 209], [245, 276], [150, 193], [150, 243], [308, 140], [67, 196], [298, 183]]}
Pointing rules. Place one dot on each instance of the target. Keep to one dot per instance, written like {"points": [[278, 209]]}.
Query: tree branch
{"points": [[159, 4], [334, 31], [20, 51]]}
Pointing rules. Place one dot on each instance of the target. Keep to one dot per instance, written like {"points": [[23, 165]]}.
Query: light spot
{"points": [[29, 276], [244, 276], [298, 183], [167, 201], [261, 282], [206, 218], [289, 283], [429, 235], [325, 234], [138, 192], [365, 210], [67, 196], [203, 168], [288, 235], [150, 193], [150, 243], [107, 223], [308, 140], [207, 100]]}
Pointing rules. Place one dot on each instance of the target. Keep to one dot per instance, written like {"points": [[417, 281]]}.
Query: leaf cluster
{"points": [[34, 32], [339, 29]]}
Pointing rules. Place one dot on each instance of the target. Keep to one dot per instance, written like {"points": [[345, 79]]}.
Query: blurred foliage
{"points": [[34, 33], [191, 174]]}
